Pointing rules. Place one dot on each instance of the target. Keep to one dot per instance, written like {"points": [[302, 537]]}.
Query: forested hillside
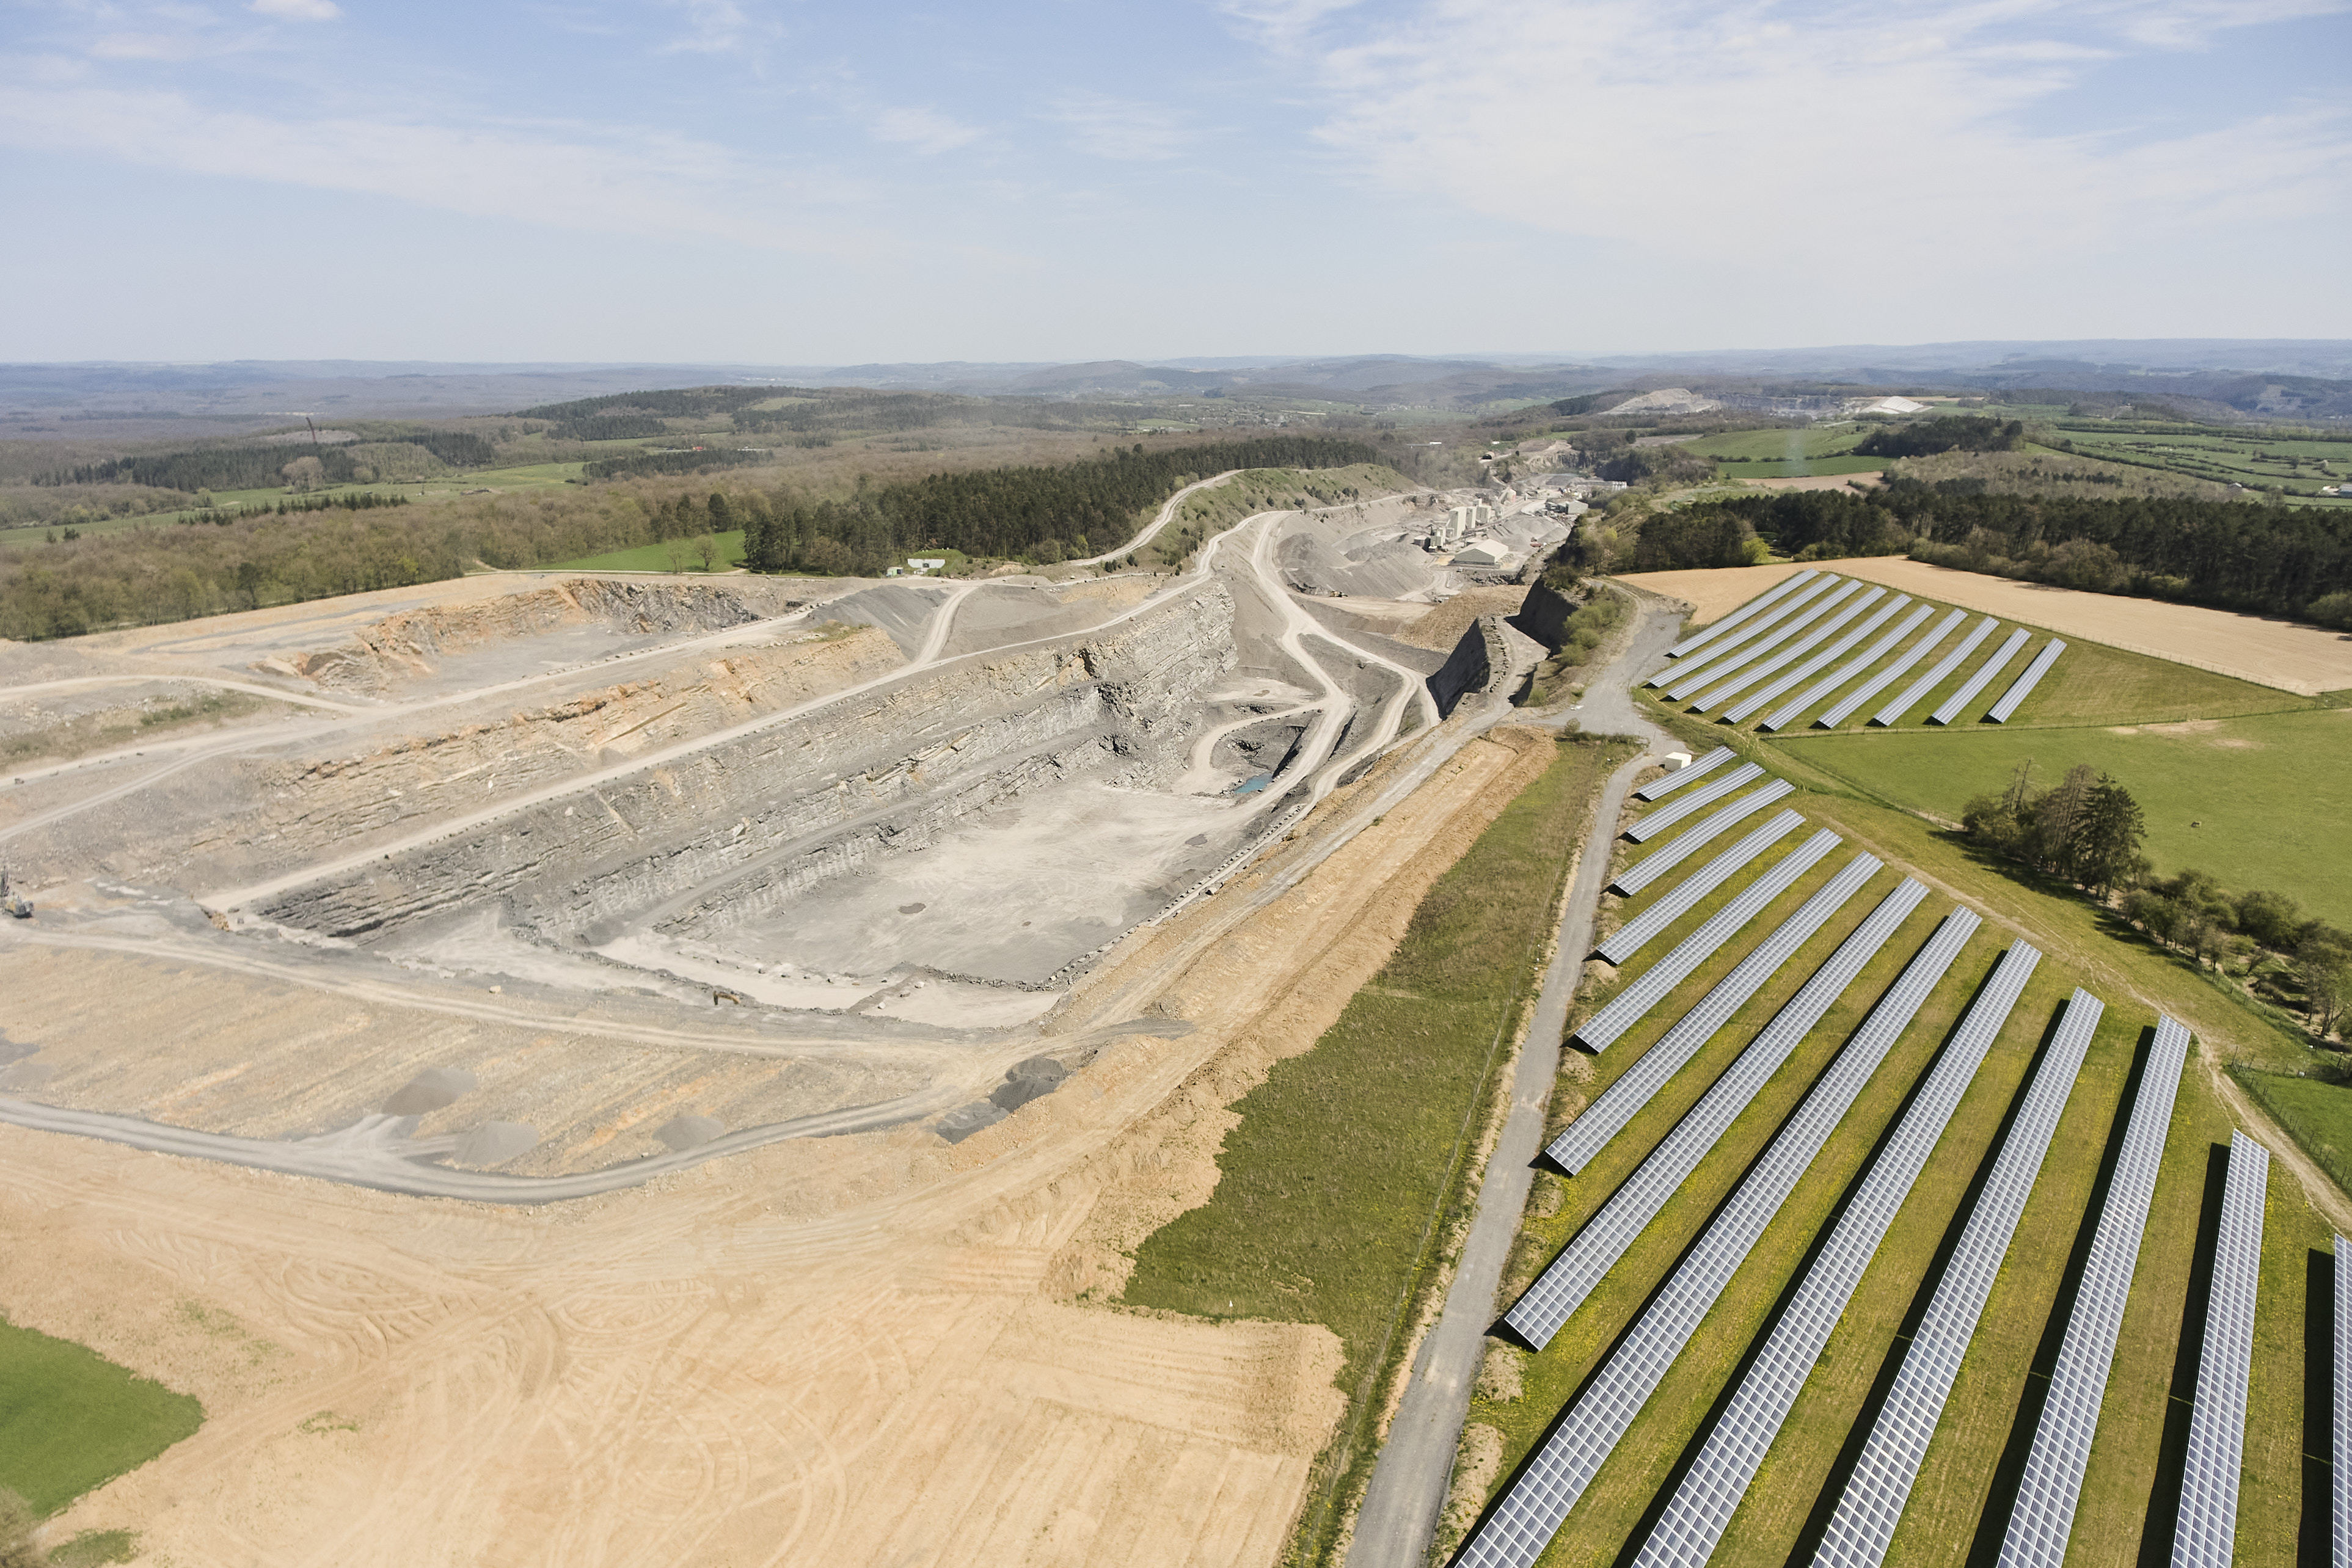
{"points": [[260, 465]]}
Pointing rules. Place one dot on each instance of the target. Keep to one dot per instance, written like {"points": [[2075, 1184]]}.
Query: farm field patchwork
{"points": [[2271, 791]]}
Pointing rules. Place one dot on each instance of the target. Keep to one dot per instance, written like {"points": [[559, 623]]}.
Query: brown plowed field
{"points": [[2305, 660], [859, 1350]]}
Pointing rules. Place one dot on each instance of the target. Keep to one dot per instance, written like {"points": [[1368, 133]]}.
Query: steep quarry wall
{"points": [[404, 646], [1544, 614], [607, 853], [1481, 662]]}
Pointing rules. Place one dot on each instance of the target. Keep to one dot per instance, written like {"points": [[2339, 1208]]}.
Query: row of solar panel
{"points": [[1532, 1508], [1781, 623]]}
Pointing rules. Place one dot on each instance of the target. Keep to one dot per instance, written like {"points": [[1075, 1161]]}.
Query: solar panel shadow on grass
{"points": [[1661, 818], [1675, 780], [1746, 637], [1789, 712], [2208, 1530], [1649, 988], [1697, 1515], [1582, 1265], [1853, 700], [1757, 605], [1818, 663], [2002, 710], [1637, 932], [1746, 653], [1952, 707], [1893, 712], [1617, 1104], [1874, 1496], [2044, 1516], [1523, 1523], [1764, 671], [1697, 836]]}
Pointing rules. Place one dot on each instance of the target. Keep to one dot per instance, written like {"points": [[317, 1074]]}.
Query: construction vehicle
{"points": [[13, 903]]}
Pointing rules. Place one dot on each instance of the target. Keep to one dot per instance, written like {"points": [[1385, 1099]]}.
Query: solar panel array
{"points": [[1750, 636], [1637, 932], [1761, 601], [1563, 1287], [1632, 1089], [2207, 1533], [2017, 693], [1664, 817], [2044, 1514], [1894, 672], [1789, 713], [1944, 666], [1874, 1496], [1954, 704], [1701, 1508], [1531, 1512], [1818, 662], [1650, 987], [1691, 839], [1744, 654], [2340, 1477], [1814, 638], [1675, 780]]}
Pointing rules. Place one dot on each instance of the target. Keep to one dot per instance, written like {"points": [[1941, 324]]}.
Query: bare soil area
{"points": [[2289, 655]]}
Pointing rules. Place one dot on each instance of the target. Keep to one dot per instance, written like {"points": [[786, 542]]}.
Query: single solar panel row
{"points": [[1894, 711], [1637, 932], [1661, 818], [1762, 602], [1818, 663], [1894, 672], [1814, 638], [1675, 780], [2341, 1471], [1701, 1508], [1582, 1265], [1789, 713], [1632, 1089], [1875, 1494], [1746, 637], [1691, 839], [1748, 652], [2044, 1516], [1955, 705], [1531, 1512], [2002, 710], [1650, 987], [2207, 1533]]}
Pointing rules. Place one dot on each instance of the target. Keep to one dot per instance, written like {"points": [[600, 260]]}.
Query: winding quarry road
{"points": [[1398, 1518]]}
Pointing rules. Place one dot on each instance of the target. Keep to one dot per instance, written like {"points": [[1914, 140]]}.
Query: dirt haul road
{"points": [[863, 1348]]}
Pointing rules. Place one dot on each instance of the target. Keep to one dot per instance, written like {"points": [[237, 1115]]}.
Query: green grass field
{"points": [[2272, 791], [655, 558], [2319, 1114], [1333, 1184], [71, 1420]]}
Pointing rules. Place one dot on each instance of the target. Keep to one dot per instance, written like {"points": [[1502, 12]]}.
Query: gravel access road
{"points": [[1399, 1519]]}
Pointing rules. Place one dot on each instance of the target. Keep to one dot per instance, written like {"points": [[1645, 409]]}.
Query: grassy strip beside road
{"points": [[71, 1420], [2317, 1112], [1351, 1162]]}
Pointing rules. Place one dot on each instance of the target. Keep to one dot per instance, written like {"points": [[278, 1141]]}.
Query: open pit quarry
{"points": [[667, 1058]]}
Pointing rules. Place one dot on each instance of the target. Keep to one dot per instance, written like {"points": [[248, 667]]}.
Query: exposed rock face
{"points": [[742, 826], [1544, 614]]}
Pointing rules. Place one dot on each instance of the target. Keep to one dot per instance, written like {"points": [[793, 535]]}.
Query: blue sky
{"points": [[825, 184]]}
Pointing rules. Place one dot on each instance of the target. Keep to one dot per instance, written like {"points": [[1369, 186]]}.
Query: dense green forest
{"points": [[1945, 432], [1042, 513], [259, 466], [318, 547], [691, 461], [2234, 555]]}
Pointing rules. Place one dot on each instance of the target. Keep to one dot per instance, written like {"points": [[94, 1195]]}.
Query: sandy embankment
{"points": [[2289, 655]]}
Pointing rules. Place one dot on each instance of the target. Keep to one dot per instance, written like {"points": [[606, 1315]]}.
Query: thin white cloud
{"points": [[1119, 128], [616, 181], [923, 129], [299, 10], [717, 28]]}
